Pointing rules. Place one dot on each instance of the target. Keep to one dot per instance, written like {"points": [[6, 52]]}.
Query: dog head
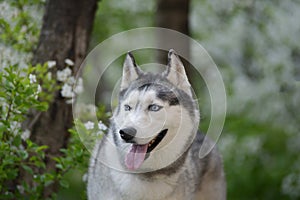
{"points": [[157, 117]]}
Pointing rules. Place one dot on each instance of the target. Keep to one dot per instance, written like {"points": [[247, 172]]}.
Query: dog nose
{"points": [[127, 134]]}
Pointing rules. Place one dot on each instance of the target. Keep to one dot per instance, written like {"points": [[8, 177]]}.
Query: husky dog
{"points": [[151, 151]]}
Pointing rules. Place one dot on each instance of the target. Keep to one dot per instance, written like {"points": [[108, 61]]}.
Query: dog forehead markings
{"points": [[162, 92], [144, 96], [132, 97]]}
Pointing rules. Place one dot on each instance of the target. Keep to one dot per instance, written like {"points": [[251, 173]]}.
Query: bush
{"points": [[19, 156]]}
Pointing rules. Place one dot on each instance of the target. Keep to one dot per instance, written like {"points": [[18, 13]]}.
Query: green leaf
{"points": [[28, 169], [59, 166], [41, 148], [64, 183], [43, 106], [17, 140], [24, 155]]}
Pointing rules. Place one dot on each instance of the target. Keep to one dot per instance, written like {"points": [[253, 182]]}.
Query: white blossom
{"points": [[291, 185], [21, 147], [23, 29], [71, 80], [15, 125], [66, 91], [69, 101], [89, 125], [51, 63], [32, 78], [21, 189], [69, 62], [39, 89], [8, 12], [78, 89], [25, 135], [63, 75], [79, 86], [102, 126]]}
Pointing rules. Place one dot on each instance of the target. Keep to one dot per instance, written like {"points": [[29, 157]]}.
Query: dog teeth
{"points": [[151, 142]]}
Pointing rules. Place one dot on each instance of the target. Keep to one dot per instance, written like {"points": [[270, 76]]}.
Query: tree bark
{"points": [[65, 33], [174, 14]]}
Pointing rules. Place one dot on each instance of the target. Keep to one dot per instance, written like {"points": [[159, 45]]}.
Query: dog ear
{"points": [[130, 71], [175, 73]]}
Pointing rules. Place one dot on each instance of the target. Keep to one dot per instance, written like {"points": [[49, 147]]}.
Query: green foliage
{"points": [[21, 29], [19, 93], [255, 156], [23, 89], [84, 135]]}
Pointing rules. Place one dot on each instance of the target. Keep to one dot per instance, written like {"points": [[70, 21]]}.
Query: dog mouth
{"points": [[137, 153], [154, 142]]}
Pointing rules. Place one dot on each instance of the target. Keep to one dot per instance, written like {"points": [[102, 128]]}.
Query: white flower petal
{"points": [[69, 62], [79, 86], [51, 63], [32, 78], [15, 125], [102, 126], [89, 125], [21, 189], [78, 89], [69, 101], [66, 91], [67, 71], [71, 80], [39, 89], [25, 135], [63, 75]]}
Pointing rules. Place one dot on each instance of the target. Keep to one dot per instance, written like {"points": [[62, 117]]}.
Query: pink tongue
{"points": [[135, 157]]}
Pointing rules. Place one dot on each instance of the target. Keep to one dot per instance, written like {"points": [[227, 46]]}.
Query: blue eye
{"points": [[154, 107], [127, 107]]}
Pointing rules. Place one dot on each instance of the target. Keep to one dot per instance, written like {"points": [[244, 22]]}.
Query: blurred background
{"points": [[255, 45]]}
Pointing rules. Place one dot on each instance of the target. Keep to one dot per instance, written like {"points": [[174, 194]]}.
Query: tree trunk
{"points": [[65, 33], [174, 14]]}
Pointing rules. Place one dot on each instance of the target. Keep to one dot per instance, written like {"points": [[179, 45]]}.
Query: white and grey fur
{"points": [[173, 170]]}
